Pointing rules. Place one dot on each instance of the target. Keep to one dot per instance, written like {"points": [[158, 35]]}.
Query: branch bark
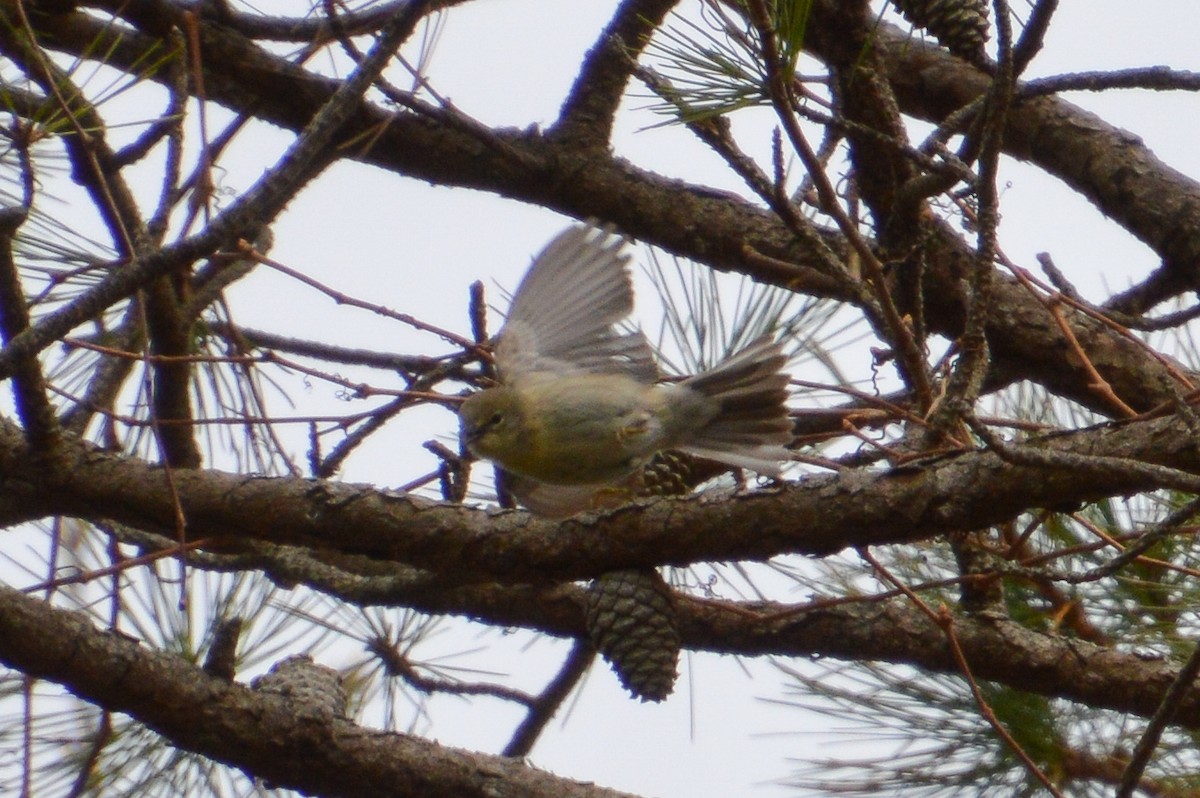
{"points": [[584, 181], [270, 737]]}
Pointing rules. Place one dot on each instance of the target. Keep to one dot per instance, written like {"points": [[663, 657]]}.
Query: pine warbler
{"points": [[580, 406]]}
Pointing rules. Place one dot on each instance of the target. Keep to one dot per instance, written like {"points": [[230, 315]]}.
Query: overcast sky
{"points": [[370, 234], [714, 737]]}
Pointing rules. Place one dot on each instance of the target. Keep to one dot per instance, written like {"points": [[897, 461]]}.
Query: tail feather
{"points": [[767, 461], [764, 404], [748, 369], [751, 428]]}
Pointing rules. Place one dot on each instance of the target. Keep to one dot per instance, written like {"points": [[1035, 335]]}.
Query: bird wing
{"points": [[564, 314], [546, 500]]}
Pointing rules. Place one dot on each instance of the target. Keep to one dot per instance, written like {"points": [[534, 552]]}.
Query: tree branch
{"points": [[277, 739], [818, 516], [589, 183]]}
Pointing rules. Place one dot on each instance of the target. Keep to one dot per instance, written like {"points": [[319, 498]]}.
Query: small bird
{"points": [[580, 407]]}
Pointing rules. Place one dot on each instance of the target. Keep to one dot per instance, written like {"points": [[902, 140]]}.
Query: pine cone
{"points": [[631, 621], [668, 474], [961, 26], [311, 688], [630, 617]]}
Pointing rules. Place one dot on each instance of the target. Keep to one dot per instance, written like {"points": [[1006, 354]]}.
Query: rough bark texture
{"points": [[912, 275]]}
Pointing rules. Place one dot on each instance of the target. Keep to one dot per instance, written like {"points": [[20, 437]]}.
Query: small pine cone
{"points": [[221, 661], [630, 618], [674, 473], [960, 25], [667, 474], [631, 621], [310, 687]]}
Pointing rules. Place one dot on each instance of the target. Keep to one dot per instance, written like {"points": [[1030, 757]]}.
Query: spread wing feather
{"points": [[564, 314]]}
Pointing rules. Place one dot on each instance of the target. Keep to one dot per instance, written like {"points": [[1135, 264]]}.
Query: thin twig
{"points": [[945, 620], [780, 86], [33, 405], [302, 161], [966, 379], [546, 704], [345, 299], [125, 564], [1172, 700]]}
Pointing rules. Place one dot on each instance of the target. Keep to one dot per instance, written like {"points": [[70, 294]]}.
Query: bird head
{"points": [[490, 424]]}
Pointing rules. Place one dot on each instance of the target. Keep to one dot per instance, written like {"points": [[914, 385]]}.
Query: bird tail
{"points": [[751, 427]]}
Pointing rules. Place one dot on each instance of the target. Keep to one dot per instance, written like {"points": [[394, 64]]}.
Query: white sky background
{"points": [[511, 62], [416, 248]]}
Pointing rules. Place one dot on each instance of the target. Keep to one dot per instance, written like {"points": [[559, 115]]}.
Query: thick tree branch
{"points": [[282, 741], [996, 649], [661, 211], [818, 516], [364, 547], [590, 109], [122, 676], [1112, 168]]}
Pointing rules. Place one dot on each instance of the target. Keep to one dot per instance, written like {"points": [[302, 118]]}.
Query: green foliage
{"points": [[715, 66]]}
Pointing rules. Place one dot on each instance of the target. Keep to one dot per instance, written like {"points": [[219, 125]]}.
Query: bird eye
{"points": [[496, 418]]}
